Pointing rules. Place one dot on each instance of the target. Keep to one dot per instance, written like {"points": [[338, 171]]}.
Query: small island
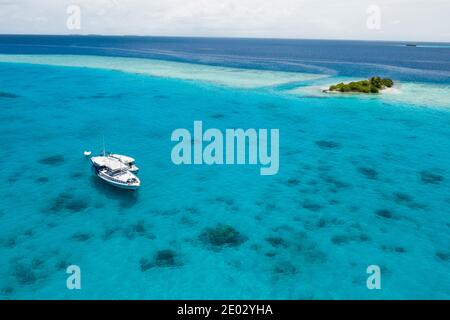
{"points": [[373, 85]]}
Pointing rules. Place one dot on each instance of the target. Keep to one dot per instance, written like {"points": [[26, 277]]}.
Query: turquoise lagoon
{"points": [[362, 181]]}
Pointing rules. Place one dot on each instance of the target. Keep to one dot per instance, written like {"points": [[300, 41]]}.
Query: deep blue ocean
{"points": [[427, 62], [362, 181]]}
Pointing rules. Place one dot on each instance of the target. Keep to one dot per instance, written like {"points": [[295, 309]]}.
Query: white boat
{"points": [[130, 162], [114, 172]]}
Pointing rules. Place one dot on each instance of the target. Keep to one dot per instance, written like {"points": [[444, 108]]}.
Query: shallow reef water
{"points": [[349, 192]]}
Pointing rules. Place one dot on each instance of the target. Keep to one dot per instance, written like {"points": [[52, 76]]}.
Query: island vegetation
{"points": [[373, 85]]}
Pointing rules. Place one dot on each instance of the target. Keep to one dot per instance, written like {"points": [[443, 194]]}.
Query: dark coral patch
{"points": [[192, 210], [76, 175], [42, 180], [166, 258], [110, 232], [185, 220], [13, 179], [283, 227], [406, 200], [67, 201], [308, 249], [8, 95], [25, 274], [9, 242], [77, 205], [328, 144], [311, 206], [394, 249], [270, 254], [384, 213], [222, 236], [62, 264], [37, 263], [431, 177], [444, 256], [227, 201], [55, 160], [340, 239], [323, 222], [400, 197], [81, 236], [285, 268], [277, 242], [160, 96], [293, 182], [6, 291], [369, 173], [218, 116], [334, 182], [362, 237], [138, 229]]}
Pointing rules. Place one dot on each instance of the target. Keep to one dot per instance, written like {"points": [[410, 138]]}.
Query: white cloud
{"points": [[344, 19]]}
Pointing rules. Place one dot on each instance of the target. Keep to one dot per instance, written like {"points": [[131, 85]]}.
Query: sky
{"points": [[408, 20]]}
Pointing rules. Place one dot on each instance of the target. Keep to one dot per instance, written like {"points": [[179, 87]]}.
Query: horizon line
{"points": [[211, 37]]}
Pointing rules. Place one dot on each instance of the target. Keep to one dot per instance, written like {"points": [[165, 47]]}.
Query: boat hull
{"points": [[97, 172], [119, 185]]}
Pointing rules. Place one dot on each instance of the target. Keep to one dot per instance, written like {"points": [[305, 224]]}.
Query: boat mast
{"points": [[104, 151]]}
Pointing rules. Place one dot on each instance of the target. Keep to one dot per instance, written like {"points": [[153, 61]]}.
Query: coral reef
{"points": [[52, 160], [222, 236]]}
